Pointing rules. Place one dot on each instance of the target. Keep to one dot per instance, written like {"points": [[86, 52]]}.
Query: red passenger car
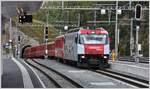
{"points": [[28, 53], [40, 52], [59, 47], [51, 49]]}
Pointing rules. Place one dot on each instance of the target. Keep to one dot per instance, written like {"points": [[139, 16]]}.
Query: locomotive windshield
{"points": [[93, 39]]}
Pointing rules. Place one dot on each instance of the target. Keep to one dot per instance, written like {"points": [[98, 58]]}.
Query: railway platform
{"points": [[17, 74], [140, 70]]}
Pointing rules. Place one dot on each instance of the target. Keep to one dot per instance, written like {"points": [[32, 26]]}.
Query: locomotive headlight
{"points": [[83, 56], [93, 32], [46, 51], [105, 56]]}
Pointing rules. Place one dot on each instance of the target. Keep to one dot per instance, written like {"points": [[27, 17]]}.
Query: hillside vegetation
{"points": [[54, 15]]}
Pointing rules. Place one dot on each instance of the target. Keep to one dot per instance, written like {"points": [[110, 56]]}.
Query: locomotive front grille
{"points": [[91, 56], [94, 59]]}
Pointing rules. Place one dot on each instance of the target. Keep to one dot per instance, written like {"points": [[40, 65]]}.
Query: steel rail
{"points": [[44, 73], [62, 75], [125, 78]]}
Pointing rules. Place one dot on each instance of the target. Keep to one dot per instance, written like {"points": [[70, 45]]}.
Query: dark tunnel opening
{"points": [[23, 49]]}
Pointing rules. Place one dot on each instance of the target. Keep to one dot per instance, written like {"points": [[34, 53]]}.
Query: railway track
{"points": [[59, 80], [125, 78]]}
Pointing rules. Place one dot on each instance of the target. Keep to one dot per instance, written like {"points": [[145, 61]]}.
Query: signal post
{"points": [[46, 40], [138, 12]]}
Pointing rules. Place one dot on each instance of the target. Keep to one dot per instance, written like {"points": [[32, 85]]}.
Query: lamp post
{"points": [[10, 38]]}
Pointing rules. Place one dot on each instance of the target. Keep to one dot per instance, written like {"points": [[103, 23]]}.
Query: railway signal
{"points": [[138, 11], [46, 30], [46, 33], [135, 24], [46, 40], [28, 18], [21, 19], [18, 38], [25, 18]]}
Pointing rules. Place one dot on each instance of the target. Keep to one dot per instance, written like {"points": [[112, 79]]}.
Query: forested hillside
{"points": [[70, 16]]}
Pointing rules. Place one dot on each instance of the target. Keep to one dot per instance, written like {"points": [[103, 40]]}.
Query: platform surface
{"points": [[16, 74], [137, 69]]}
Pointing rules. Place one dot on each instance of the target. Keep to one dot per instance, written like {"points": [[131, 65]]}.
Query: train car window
{"points": [[107, 39], [81, 40], [93, 39]]}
